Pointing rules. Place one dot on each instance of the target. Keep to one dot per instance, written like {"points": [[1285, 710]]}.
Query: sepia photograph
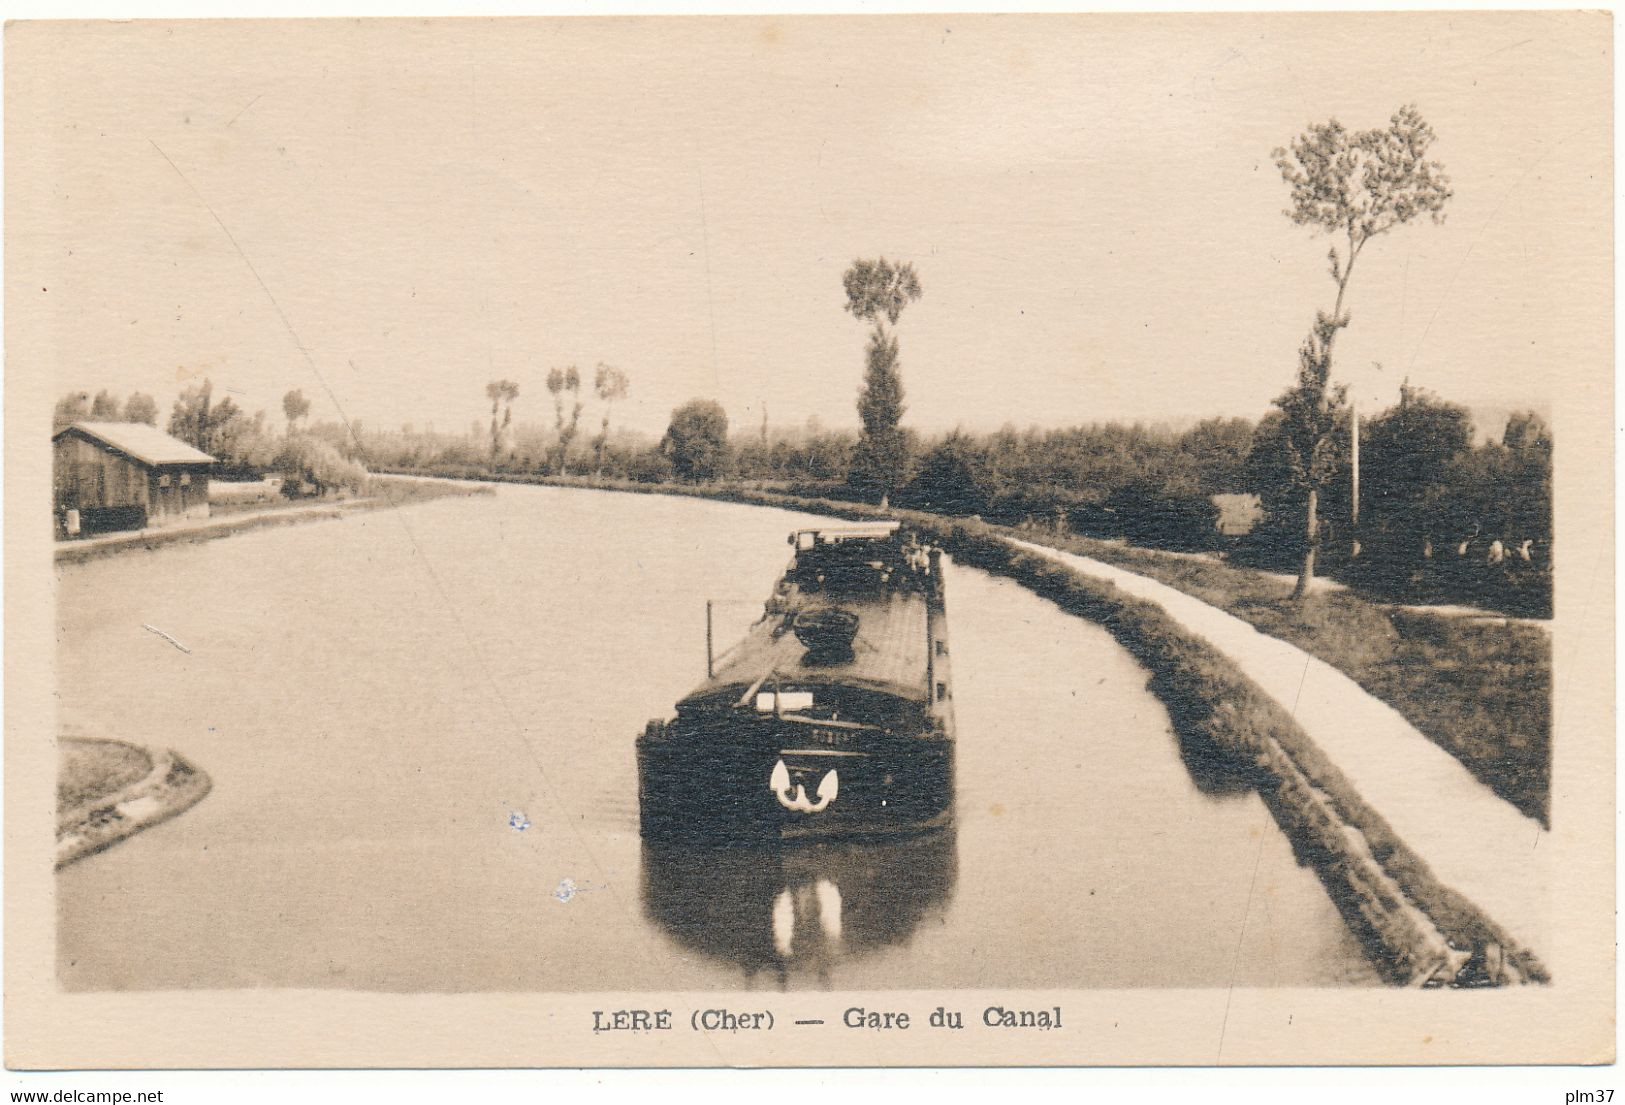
{"points": [[796, 540]]}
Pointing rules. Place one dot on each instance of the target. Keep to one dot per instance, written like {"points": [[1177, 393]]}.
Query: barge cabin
{"points": [[833, 717]]}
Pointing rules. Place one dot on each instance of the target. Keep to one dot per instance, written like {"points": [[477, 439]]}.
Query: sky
{"points": [[389, 214]]}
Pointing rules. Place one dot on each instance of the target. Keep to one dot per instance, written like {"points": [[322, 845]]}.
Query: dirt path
{"points": [[1474, 841]]}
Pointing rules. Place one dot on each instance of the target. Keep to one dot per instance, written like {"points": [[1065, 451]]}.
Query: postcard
{"points": [[828, 540]]}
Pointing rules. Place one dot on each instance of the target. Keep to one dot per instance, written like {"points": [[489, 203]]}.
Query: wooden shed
{"points": [[125, 475]]}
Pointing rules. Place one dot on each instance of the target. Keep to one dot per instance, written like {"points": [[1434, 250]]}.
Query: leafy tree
{"points": [[303, 458], [1527, 432], [751, 460], [1357, 185], [1410, 449], [1276, 541], [71, 408], [1162, 517], [650, 466], [221, 429], [954, 478], [880, 288], [202, 423], [1498, 493], [1527, 498], [502, 393], [140, 407], [611, 385], [1214, 452], [562, 383], [877, 292], [1311, 410], [246, 443], [697, 440], [78, 406], [295, 406], [826, 455]]}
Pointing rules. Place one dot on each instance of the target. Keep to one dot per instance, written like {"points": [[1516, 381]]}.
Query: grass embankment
{"points": [[381, 491], [1479, 690], [108, 790], [88, 771]]}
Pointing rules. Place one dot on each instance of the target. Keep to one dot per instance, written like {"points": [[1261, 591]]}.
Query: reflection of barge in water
{"points": [[832, 717], [797, 911]]}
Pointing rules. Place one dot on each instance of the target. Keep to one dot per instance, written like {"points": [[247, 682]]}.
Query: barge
{"points": [[832, 718]]}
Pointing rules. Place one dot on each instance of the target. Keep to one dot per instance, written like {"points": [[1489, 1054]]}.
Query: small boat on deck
{"points": [[833, 717], [827, 630]]}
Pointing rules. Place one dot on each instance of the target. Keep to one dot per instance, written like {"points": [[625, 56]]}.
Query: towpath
{"points": [[1475, 842]]}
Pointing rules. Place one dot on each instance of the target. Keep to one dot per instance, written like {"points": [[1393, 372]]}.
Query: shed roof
{"points": [[145, 443]]}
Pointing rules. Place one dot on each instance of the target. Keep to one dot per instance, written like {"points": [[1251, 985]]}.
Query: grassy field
{"points": [[387, 492], [89, 770]]}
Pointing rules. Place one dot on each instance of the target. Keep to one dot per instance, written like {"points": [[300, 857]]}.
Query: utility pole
{"points": [[1354, 477]]}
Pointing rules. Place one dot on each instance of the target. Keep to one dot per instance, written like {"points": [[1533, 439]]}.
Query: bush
{"points": [[697, 440], [1025, 508], [1165, 519], [1094, 520], [953, 480], [307, 460], [651, 466]]}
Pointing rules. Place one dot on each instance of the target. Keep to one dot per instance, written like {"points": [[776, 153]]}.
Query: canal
{"points": [[420, 728]]}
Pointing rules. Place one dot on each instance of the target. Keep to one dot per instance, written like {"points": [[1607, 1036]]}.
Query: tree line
{"points": [[79, 406], [1435, 498], [564, 385]]}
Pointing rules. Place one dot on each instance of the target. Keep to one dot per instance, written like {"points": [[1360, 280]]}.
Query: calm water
{"points": [[420, 728]]}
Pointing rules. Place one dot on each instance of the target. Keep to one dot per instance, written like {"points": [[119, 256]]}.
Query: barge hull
{"points": [[688, 791]]}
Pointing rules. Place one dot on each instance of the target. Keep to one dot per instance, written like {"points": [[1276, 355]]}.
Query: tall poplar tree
{"points": [[1353, 185], [877, 292]]}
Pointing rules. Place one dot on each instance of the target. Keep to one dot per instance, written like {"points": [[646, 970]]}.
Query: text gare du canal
{"points": [[857, 1016]]}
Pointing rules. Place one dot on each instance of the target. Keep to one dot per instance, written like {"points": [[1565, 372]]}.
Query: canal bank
{"points": [[1451, 890], [396, 491]]}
